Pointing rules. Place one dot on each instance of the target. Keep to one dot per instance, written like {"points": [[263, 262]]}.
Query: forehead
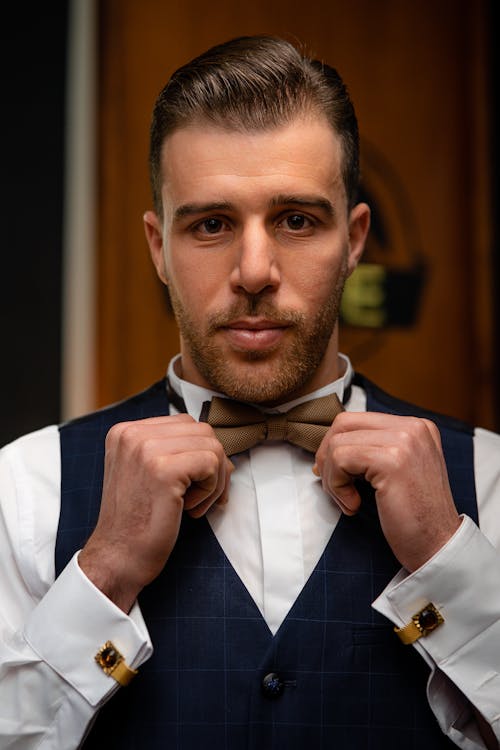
{"points": [[210, 162]]}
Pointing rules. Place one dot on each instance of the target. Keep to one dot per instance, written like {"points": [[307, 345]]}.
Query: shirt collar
{"points": [[194, 395]]}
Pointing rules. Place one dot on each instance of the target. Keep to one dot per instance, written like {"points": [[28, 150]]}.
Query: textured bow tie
{"points": [[239, 426]]}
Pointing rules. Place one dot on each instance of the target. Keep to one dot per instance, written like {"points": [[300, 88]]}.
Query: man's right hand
{"points": [[154, 470]]}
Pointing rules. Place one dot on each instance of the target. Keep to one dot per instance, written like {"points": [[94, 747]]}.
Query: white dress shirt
{"points": [[50, 686]]}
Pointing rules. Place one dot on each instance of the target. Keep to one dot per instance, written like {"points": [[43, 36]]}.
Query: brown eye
{"points": [[212, 226], [296, 221]]}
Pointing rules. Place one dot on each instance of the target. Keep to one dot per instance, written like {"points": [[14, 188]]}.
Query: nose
{"points": [[256, 266]]}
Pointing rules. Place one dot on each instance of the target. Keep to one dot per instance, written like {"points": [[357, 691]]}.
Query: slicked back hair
{"points": [[253, 84]]}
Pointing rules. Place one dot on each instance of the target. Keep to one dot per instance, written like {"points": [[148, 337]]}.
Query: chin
{"points": [[260, 382]]}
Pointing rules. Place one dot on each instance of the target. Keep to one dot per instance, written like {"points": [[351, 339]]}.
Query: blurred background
{"points": [[83, 318]]}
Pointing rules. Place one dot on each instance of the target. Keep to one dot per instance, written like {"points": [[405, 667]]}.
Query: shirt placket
{"points": [[280, 533]]}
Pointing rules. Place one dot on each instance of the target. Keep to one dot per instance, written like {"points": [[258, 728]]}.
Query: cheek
{"points": [[314, 282], [197, 281]]}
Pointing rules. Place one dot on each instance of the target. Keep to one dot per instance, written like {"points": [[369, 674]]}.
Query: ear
{"points": [[359, 224], [154, 235]]}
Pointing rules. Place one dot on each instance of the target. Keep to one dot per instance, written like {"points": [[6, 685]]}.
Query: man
{"points": [[253, 573]]}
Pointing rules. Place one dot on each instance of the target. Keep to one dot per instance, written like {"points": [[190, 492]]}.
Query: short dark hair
{"points": [[251, 84]]}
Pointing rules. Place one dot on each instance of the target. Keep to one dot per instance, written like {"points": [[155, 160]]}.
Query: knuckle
{"points": [[419, 426], [205, 430], [341, 420], [403, 450], [145, 449], [216, 447], [130, 433], [167, 472], [115, 431], [333, 444], [118, 435], [432, 428], [397, 455], [410, 433], [416, 434], [212, 461], [340, 455], [181, 417]]}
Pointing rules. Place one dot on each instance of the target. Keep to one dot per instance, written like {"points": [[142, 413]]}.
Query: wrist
{"points": [[108, 573]]}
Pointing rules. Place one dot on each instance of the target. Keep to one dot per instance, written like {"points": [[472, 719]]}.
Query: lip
{"points": [[256, 334], [255, 324]]}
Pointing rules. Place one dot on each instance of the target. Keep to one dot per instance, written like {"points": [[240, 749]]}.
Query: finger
{"points": [[224, 498], [209, 487], [120, 427], [162, 419], [434, 433], [347, 498], [214, 500], [343, 493], [408, 440], [410, 434], [125, 436], [182, 424], [344, 463], [349, 421], [179, 443]]}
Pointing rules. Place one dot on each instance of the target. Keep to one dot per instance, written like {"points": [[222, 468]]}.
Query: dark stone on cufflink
{"points": [[109, 657], [428, 619]]}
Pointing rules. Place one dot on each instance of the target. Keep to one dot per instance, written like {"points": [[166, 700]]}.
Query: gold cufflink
{"points": [[113, 664], [421, 625]]}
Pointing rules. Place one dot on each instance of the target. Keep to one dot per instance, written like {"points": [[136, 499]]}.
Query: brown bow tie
{"points": [[239, 426]]}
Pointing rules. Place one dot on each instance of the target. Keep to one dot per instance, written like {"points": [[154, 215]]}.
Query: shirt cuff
{"points": [[462, 581], [71, 623]]}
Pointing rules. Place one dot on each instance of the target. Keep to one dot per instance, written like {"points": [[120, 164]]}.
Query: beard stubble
{"points": [[271, 376]]}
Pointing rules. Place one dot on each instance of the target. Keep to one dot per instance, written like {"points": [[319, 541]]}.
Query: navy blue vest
{"points": [[344, 680]]}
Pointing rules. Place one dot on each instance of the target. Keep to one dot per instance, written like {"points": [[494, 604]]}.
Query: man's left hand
{"points": [[402, 458]]}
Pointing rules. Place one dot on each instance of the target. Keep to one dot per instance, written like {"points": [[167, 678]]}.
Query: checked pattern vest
{"points": [[345, 681]]}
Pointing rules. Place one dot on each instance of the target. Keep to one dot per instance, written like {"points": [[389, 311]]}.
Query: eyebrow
{"points": [[193, 209], [306, 201]]}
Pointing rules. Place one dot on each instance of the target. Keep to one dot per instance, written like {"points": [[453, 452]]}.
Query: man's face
{"points": [[255, 245]]}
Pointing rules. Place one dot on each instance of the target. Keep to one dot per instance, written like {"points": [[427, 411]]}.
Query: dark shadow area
{"points": [[495, 195], [33, 64]]}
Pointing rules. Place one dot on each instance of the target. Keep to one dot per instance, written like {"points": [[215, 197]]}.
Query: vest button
{"points": [[272, 685]]}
